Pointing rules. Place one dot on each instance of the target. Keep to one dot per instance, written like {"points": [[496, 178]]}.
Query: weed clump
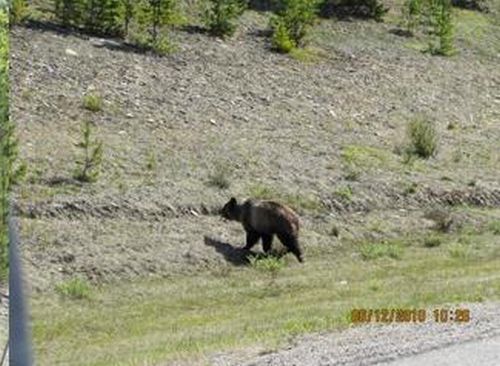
{"points": [[269, 265], [432, 242], [334, 231], [151, 161], [219, 177], [92, 102], [18, 11], [442, 219], [423, 138]]}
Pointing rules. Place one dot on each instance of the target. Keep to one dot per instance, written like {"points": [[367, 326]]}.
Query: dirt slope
{"points": [[274, 124]]}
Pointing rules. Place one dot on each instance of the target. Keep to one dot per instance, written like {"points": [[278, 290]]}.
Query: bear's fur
{"points": [[264, 219]]}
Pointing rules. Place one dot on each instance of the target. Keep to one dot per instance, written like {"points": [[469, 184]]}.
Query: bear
{"points": [[264, 219]]}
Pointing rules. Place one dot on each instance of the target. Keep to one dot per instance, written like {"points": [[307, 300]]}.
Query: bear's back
{"points": [[270, 217]]}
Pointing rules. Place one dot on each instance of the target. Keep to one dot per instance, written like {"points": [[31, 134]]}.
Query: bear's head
{"points": [[230, 210]]}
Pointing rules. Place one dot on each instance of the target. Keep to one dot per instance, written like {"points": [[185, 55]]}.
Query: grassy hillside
{"points": [[137, 268]]}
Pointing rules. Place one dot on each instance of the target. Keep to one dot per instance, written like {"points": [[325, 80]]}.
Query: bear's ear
{"points": [[232, 201]]}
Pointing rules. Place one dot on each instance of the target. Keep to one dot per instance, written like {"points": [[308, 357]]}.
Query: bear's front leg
{"points": [[267, 242], [252, 239]]}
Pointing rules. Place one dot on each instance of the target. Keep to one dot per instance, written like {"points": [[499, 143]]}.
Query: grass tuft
{"points": [[75, 289], [494, 227], [92, 102], [432, 242], [269, 265], [459, 251], [378, 250], [219, 177], [345, 193]]}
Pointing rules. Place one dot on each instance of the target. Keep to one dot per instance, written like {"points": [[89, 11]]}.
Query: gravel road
{"points": [[480, 352], [474, 343]]}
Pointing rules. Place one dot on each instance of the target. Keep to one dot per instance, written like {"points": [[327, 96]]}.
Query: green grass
{"points": [[459, 251], [300, 202], [371, 251], [344, 192], [478, 31], [269, 265], [474, 30], [187, 317], [75, 288], [494, 227], [307, 55], [367, 156]]}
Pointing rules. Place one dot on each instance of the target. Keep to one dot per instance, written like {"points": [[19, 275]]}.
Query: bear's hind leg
{"points": [[292, 245], [267, 241], [252, 239]]}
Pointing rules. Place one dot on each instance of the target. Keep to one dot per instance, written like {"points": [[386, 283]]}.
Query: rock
{"points": [[70, 52]]}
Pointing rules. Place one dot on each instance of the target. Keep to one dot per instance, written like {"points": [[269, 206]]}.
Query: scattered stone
{"points": [[70, 52]]}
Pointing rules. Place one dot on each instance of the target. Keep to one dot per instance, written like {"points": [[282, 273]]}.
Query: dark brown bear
{"points": [[264, 219]]}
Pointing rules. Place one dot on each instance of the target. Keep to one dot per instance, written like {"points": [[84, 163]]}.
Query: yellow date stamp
{"points": [[438, 315]]}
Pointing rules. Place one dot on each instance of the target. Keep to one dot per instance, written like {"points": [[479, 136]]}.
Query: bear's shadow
{"points": [[235, 255], [239, 256]]}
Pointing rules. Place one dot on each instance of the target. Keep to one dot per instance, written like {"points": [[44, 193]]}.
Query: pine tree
{"points": [[88, 168], [127, 13], [292, 22], [221, 15], [103, 17], [70, 12], [155, 14]]}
